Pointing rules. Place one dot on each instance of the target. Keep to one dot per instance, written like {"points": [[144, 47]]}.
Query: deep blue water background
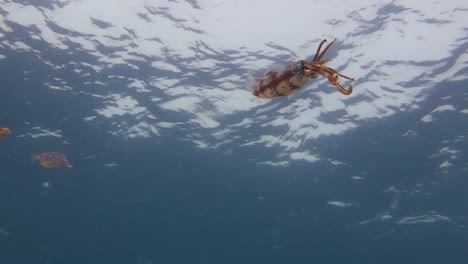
{"points": [[167, 202]]}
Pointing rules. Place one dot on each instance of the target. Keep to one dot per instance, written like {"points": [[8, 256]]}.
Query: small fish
{"points": [[52, 160], [4, 131]]}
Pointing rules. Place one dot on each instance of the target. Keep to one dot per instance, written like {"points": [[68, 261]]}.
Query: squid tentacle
{"points": [[333, 79], [318, 55], [332, 76]]}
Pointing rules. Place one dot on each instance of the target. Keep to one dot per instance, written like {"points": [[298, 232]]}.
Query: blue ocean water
{"points": [[176, 163]]}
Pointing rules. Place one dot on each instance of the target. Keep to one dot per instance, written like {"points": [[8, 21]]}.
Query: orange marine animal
{"points": [[290, 79], [4, 131], [52, 160]]}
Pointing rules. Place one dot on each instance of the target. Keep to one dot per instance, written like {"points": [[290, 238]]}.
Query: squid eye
{"points": [[299, 67]]}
